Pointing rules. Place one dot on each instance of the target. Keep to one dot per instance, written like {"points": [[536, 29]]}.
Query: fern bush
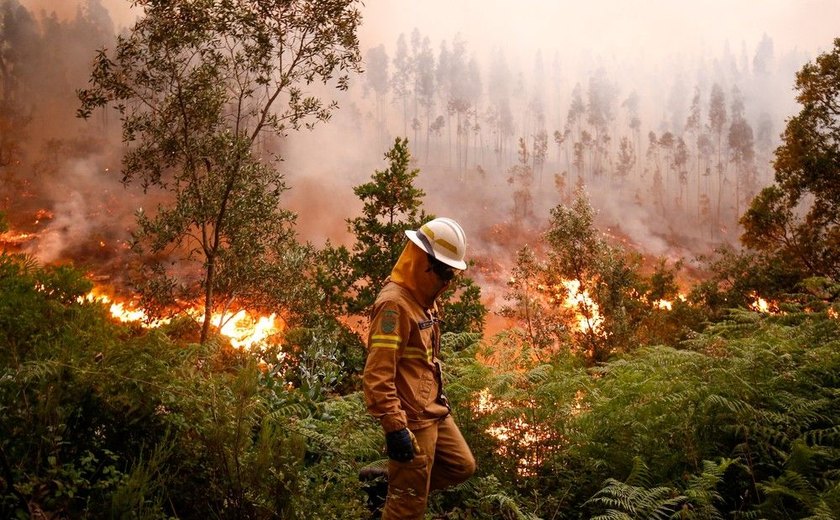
{"points": [[741, 421], [100, 420]]}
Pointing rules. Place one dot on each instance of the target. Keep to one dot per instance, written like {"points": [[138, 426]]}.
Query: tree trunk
{"points": [[208, 298]]}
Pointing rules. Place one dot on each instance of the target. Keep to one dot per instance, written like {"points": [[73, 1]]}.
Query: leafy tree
{"points": [[694, 129], [425, 85], [601, 276], [17, 32], [763, 59], [499, 87], [393, 204], [543, 323], [797, 220], [522, 180], [626, 159], [198, 87], [599, 114], [680, 163], [588, 296]]}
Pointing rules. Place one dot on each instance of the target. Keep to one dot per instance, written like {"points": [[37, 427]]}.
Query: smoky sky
{"points": [[650, 30], [651, 48], [653, 29]]}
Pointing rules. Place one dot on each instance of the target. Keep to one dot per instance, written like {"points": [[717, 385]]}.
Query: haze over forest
{"points": [[667, 112]]}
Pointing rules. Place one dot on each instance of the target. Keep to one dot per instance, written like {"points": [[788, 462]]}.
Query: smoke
{"points": [[120, 12], [70, 226], [93, 214], [529, 57]]}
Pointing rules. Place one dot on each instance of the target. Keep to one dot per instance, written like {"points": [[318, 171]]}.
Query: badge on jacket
{"points": [[389, 321]]}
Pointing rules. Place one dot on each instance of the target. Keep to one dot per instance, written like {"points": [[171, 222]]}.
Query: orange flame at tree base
{"points": [[244, 329]]}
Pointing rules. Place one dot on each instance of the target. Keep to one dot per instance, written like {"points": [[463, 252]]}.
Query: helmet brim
{"points": [[425, 246]]}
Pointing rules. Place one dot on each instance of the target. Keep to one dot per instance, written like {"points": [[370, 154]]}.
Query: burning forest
{"points": [[200, 202]]}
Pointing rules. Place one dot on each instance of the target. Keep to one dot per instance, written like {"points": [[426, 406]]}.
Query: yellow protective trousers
{"points": [[444, 460]]}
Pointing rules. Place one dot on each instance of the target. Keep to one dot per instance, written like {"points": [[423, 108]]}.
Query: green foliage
{"points": [[97, 420], [326, 356], [742, 420], [637, 498], [101, 420], [198, 87], [588, 296], [794, 222], [462, 306], [522, 180], [543, 323], [392, 204]]}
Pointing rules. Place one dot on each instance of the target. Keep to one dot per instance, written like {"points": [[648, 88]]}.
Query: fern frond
{"points": [[508, 507], [459, 341], [822, 512], [323, 441], [288, 411], [792, 485], [623, 500]]}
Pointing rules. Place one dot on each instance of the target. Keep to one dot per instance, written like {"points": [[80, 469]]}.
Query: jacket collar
{"points": [[412, 271]]}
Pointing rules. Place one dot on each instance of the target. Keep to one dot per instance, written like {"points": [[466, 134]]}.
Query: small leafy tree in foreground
{"points": [[199, 87], [392, 204]]}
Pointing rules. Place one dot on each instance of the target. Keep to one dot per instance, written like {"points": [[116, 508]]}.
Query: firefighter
{"points": [[402, 377]]}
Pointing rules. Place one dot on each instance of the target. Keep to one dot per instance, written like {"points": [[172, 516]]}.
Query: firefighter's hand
{"points": [[399, 445]]}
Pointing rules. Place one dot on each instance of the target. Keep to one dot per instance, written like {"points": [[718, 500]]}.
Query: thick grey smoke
{"points": [[521, 63], [657, 53]]}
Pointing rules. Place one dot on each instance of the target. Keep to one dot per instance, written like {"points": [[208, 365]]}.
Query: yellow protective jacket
{"points": [[402, 379]]}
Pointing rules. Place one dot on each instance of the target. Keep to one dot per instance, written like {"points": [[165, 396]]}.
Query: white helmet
{"points": [[444, 239]]}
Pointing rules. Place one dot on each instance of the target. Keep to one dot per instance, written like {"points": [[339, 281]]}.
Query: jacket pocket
{"points": [[407, 491], [425, 393]]}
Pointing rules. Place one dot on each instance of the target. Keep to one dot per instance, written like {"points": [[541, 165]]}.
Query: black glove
{"points": [[399, 445]]}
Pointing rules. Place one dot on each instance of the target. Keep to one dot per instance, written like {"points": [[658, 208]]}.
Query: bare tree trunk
{"points": [[208, 298]]}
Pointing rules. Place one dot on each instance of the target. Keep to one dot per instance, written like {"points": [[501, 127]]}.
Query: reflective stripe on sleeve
{"points": [[416, 353], [385, 341]]}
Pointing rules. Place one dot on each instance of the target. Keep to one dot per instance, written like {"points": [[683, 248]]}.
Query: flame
{"points": [[587, 313], [833, 314], [43, 214], [245, 330], [15, 239], [664, 305], [518, 429], [761, 305], [667, 305], [126, 312], [485, 402]]}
